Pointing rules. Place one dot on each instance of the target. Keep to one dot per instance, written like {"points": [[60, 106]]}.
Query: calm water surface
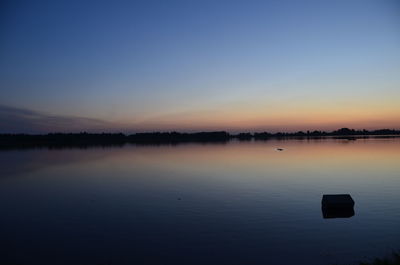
{"points": [[234, 203]]}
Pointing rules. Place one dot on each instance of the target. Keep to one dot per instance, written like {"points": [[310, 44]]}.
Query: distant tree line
{"points": [[106, 139], [343, 132]]}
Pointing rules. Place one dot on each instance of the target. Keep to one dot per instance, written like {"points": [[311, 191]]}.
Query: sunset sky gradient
{"points": [[199, 65]]}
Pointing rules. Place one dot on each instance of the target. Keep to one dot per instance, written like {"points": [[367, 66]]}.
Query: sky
{"points": [[133, 66]]}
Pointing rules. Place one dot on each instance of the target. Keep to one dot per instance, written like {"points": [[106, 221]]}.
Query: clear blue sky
{"points": [[199, 65]]}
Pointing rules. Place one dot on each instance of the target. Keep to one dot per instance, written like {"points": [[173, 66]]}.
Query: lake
{"points": [[229, 203]]}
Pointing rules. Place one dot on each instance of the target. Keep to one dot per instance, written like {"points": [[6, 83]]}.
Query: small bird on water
{"points": [[279, 149]]}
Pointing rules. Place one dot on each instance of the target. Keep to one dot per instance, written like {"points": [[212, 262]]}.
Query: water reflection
{"points": [[237, 203]]}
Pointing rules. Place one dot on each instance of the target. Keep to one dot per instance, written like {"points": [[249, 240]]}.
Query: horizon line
{"points": [[340, 130]]}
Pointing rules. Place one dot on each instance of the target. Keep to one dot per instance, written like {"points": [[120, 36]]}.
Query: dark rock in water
{"points": [[279, 149], [337, 206], [338, 212], [337, 201]]}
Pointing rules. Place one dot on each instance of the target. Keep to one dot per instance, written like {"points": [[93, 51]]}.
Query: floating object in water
{"points": [[328, 213], [337, 206], [337, 201], [279, 149]]}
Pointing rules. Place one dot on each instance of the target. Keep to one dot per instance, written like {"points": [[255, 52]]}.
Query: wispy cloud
{"points": [[20, 120]]}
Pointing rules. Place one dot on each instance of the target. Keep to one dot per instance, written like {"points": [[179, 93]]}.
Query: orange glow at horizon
{"points": [[258, 118]]}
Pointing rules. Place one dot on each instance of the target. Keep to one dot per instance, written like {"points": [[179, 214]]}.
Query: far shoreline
{"points": [[84, 139]]}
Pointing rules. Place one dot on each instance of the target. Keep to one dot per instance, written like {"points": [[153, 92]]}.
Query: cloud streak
{"points": [[20, 120]]}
